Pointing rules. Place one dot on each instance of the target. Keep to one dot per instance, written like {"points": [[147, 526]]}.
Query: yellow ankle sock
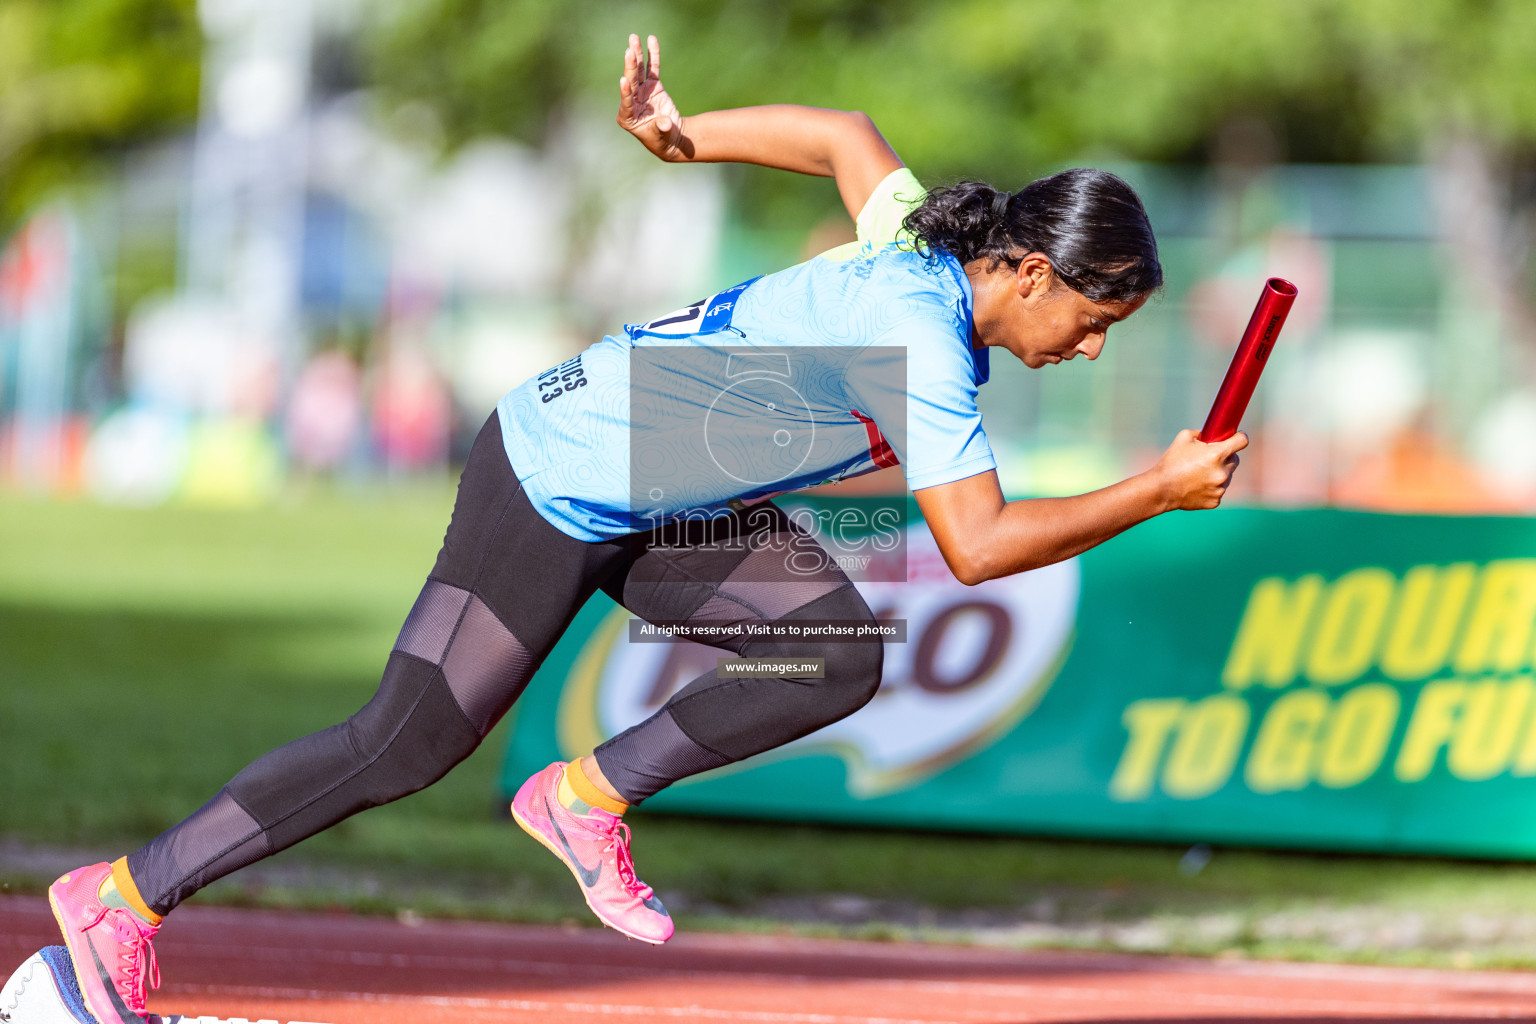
{"points": [[119, 889], [575, 786]]}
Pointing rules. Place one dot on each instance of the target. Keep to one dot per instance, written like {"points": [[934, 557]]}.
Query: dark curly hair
{"points": [[1089, 224]]}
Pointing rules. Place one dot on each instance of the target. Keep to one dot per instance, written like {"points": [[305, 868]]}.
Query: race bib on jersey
{"points": [[703, 317]]}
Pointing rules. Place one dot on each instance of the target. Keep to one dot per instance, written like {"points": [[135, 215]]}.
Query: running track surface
{"points": [[341, 969]]}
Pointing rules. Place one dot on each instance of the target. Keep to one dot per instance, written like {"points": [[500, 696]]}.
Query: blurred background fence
{"points": [[253, 243]]}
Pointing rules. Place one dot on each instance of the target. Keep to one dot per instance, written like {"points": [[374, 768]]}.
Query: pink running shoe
{"points": [[109, 945], [595, 846]]}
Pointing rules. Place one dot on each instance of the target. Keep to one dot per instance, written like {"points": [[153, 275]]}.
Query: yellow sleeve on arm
{"points": [[879, 222]]}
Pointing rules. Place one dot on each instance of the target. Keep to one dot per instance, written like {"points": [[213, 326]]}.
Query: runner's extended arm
{"points": [[982, 536]]}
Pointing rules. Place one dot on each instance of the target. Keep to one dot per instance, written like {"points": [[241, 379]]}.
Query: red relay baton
{"points": [[1248, 361]]}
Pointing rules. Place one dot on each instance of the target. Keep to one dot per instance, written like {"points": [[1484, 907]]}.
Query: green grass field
{"points": [[145, 656]]}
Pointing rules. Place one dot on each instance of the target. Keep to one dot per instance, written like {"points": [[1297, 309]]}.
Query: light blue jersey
{"points": [[858, 359]]}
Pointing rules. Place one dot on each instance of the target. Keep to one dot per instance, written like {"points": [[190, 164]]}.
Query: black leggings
{"points": [[505, 587]]}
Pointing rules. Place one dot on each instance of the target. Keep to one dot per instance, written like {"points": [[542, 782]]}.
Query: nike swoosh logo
{"points": [[653, 904], [589, 876], [125, 1014]]}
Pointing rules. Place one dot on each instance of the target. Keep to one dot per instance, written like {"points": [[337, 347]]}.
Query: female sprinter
{"points": [[544, 515]]}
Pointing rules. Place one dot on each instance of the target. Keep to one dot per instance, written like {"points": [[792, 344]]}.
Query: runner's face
{"points": [[1050, 322]]}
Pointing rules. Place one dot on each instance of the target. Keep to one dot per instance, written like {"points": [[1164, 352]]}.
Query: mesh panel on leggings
{"points": [[719, 611], [766, 579], [217, 835], [640, 762], [486, 667], [430, 624]]}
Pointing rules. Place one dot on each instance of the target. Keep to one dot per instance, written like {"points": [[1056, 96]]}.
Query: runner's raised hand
{"points": [[645, 109]]}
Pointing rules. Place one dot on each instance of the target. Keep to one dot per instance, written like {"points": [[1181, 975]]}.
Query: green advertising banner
{"points": [[1313, 679]]}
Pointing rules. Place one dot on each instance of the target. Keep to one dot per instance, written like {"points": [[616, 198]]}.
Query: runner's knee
{"points": [[852, 666], [854, 670], [850, 677]]}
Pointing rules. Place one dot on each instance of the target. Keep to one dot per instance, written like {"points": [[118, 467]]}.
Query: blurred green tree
{"points": [[1007, 89], [81, 80], [999, 86]]}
